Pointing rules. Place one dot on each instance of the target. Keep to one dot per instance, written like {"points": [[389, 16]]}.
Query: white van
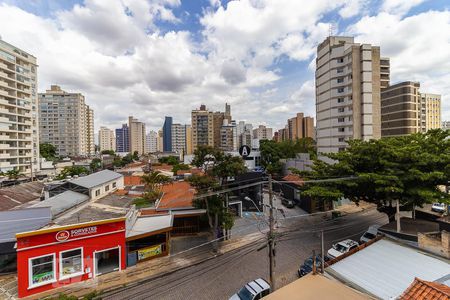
{"points": [[370, 234]]}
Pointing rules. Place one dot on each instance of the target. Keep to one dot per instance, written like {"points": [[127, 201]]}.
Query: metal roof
{"points": [[20, 220], [96, 179], [386, 268], [150, 224], [62, 202]]}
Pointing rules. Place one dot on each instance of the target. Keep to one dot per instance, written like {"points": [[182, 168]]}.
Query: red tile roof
{"points": [[178, 194], [132, 180], [426, 290], [294, 178], [163, 167]]}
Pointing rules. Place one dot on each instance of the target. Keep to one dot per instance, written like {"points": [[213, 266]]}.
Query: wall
{"points": [[435, 242], [103, 192]]}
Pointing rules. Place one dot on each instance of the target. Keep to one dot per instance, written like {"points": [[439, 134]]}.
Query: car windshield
{"points": [[309, 262], [340, 248], [369, 235], [245, 294], [439, 204]]}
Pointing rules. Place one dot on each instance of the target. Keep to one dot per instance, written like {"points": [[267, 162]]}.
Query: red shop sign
{"points": [[62, 235]]}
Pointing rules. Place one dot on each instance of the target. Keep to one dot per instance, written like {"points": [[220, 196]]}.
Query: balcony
{"points": [[5, 164], [5, 146]]}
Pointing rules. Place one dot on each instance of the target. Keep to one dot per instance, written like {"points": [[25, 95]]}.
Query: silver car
{"points": [[253, 290]]}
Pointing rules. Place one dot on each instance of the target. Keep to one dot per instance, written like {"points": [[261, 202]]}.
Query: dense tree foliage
{"points": [[153, 182], [47, 151], [408, 168], [178, 167], [71, 171], [170, 160], [109, 152], [95, 165], [272, 152]]}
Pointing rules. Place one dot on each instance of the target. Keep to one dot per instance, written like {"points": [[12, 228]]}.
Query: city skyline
{"points": [[270, 71]]}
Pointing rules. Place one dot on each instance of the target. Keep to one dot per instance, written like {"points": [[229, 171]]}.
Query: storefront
{"points": [[53, 257]]}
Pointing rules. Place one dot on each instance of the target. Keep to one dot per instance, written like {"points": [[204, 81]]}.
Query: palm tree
{"points": [[154, 180]]}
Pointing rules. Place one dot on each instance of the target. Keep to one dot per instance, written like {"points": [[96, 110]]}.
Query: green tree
{"points": [[47, 151], [135, 155], [408, 168], [13, 174], [71, 171], [95, 165], [153, 182], [178, 167], [170, 160], [109, 152]]}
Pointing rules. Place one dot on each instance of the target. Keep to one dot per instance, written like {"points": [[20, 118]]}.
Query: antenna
{"points": [[331, 28]]}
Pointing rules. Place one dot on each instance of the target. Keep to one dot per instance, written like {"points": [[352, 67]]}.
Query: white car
{"points": [[439, 207], [341, 248], [253, 290], [370, 234]]}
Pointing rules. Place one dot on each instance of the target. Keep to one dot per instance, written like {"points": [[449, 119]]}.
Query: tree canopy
{"points": [[272, 152], [408, 168], [170, 160], [47, 151], [71, 171]]}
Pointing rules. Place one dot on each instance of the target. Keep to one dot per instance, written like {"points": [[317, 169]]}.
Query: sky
{"points": [[156, 58]]}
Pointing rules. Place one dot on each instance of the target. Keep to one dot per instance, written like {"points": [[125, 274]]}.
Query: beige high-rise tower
{"points": [[66, 122], [348, 84], [137, 135], [431, 106], [106, 139], [19, 126]]}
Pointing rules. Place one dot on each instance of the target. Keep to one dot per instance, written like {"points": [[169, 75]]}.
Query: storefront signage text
{"points": [[64, 234], [149, 252]]}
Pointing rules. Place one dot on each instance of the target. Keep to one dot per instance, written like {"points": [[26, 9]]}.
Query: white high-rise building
{"points": [[349, 78], [151, 142], [136, 132], [106, 139], [179, 138], [66, 122], [19, 127]]}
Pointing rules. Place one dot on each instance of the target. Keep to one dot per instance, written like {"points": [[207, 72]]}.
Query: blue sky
{"points": [[151, 58]]}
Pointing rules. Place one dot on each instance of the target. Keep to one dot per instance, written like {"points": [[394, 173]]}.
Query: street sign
{"points": [[244, 151]]}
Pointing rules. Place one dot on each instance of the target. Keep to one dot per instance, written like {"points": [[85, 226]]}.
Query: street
{"points": [[220, 277]]}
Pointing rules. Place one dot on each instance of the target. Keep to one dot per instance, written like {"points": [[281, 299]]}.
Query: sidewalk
{"points": [[147, 270]]}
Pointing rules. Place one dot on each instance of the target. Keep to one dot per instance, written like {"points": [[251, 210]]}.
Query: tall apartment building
{"points": [[445, 125], [189, 149], [300, 127], [136, 131], [401, 109], [206, 126], [160, 141], [123, 139], [106, 139], [19, 126], [178, 138], [228, 136], [151, 142], [244, 134], [262, 133], [431, 107], [167, 134], [66, 122], [348, 85]]}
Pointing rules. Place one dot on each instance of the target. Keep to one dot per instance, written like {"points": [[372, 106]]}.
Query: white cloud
{"points": [[399, 7], [352, 8]]}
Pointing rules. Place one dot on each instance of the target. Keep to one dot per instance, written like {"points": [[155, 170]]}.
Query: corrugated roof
{"points": [[20, 220], [425, 290], [62, 202], [96, 179], [386, 268], [150, 224], [17, 195]]}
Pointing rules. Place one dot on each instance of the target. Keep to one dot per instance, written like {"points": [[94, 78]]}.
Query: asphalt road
{"points": [[222, 276]]}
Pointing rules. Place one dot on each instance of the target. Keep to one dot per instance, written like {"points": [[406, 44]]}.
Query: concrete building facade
{"points": [[228, 136], [189, 149], [167, 134], [123, 139], [262, 133], [151, 142], [67, 122], [106, 139], [136, 132], [178, 138], [19, 124], [431, 106], [348, 85]]}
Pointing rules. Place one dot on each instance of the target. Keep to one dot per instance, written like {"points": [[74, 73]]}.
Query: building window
{"points": [[71, 263], [340, 120], [340, 80], [340, 70], [340, 60], [341, 149], [341, 129], [107, 188], [341, 139], [114, 185], [97, 193], [341, 109], [42, 270], [340, 100], [340, 90]]}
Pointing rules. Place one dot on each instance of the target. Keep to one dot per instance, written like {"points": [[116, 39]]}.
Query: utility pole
{"points": [[322, 255], [397, 215], [271, 237]]}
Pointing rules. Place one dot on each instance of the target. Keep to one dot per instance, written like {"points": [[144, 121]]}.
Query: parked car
{"points": [[253, 290], [370, 234], [287, 202], [307, 266], [341, 248], [438, 207]]}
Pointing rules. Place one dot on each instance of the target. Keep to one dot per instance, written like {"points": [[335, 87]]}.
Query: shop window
{"points": [[71, 263], [42, 270]]}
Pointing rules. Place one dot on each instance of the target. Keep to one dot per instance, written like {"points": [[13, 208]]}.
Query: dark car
{"points": [[287, 202], [308, 265]]}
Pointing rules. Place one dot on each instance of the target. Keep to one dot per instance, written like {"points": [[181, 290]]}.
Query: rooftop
{"points": [[386, 268], [150, 224], [20, 220], [96, 179], [294, 179], [13, 196], [422, 290], [62, 202], [176, 195]]}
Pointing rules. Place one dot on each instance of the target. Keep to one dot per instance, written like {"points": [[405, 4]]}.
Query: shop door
{"points": [[107, 261]]}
